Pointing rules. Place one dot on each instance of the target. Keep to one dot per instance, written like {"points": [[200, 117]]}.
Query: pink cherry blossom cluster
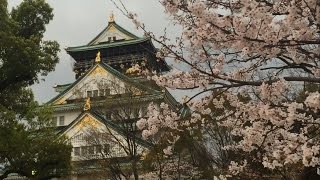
{"points": [[249, 59], [263, 125], [174, 168], [159, 117], [235, 168]]}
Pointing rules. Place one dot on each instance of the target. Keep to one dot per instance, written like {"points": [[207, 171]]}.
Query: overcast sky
{"points": [[76, 22]]}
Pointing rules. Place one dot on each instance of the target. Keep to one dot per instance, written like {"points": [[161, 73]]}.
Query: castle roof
{"points": [[112, 36]]}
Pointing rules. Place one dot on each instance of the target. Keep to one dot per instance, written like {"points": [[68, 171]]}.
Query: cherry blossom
{"points": [[252, 61]]}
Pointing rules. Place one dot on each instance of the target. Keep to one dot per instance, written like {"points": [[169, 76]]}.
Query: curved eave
{"points": [[105, 45], [66, 90], [108, 101]]}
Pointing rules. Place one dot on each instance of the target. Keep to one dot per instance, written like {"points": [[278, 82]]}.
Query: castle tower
{"points": [[119, 48], [97, 112]]}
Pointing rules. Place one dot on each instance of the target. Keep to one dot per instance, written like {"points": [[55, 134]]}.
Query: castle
{"points": [[98, 111]]}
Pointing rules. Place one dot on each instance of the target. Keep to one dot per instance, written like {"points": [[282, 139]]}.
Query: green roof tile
{"points": [[105, 45]]}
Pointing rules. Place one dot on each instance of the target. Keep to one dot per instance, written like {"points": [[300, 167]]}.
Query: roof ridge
{"points": [[105, 45]]}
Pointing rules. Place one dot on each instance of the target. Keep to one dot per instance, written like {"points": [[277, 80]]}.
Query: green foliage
{"points": [[27, 145], [23, 53], [32, 16]]}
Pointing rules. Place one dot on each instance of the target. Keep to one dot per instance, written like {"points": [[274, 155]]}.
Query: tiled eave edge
{"points": [[108, 102]]}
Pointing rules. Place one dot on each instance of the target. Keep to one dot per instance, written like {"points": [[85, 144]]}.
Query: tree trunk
{"points": [[135, 170]]}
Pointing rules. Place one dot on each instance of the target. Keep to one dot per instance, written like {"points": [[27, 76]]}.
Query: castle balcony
{"points": [[125, 60]]}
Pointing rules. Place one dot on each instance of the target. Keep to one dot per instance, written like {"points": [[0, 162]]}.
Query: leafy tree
{"points": [[27, 145], [23, 54]]}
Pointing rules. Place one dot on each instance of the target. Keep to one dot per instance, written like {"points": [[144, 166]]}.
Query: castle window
{"points": [[109, 39], [84, 150], [104, 92], [89, 93], [78, 138], [91, 150], [107, 92], [54, 121], [61, 121], [98, 149], [76, 151], [107, 148], [95, 93], [114, 38], [101, 92]]}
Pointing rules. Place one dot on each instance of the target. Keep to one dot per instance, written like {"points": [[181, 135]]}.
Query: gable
{"points": [[112, 33], [83, 124], [90, 131], [89, 124], [99, 77]]}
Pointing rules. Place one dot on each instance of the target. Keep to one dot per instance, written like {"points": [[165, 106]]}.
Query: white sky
{"points": [[76, 22]]}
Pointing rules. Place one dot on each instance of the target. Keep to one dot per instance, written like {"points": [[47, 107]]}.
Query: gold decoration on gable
{"points": [[87, 105], [111, 17], [98, 57], [136, 92], [98, 71], [112, 29], [61, 101], [87, 122], [135, 69]]}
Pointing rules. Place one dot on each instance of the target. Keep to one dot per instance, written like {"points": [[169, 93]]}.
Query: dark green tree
{"points": [[28, 146]]}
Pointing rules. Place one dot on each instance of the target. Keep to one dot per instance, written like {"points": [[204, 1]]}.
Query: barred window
{"points": [[107, 148], [89, 93], [84, 150], [91, 150], [98, 149], [101, 92], [54, 121], [61, 121], [76, 151], [95, 93]]}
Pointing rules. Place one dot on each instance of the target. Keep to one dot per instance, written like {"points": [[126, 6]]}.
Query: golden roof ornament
{"points": [[98, 57], [111, 17], [87, 104]]}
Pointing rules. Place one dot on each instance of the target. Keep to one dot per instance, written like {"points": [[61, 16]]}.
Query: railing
{"points": [[83, 64]]}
